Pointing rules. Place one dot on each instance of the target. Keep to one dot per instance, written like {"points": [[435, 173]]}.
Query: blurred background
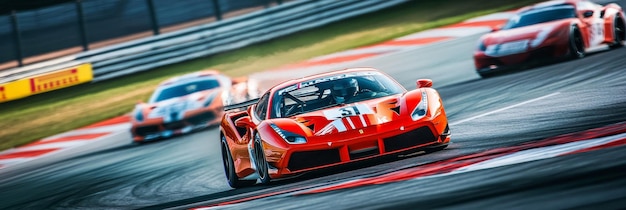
{"points": [[82, 25]]}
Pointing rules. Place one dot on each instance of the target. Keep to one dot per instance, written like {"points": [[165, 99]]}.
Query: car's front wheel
{"points": [[261, 164], [619, 33], [577, 46], [229, 168], [485, 75]]}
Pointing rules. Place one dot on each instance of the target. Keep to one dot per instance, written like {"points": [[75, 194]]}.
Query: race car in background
{"points": [[327, 120], [545, 31], [185, 103]]}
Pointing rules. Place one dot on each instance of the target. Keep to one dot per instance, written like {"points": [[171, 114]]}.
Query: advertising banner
{"points": [[46, 82]]}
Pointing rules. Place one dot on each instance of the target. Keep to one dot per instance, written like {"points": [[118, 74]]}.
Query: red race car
{"points": [[549, 30], [327, 120], [185, 103]]}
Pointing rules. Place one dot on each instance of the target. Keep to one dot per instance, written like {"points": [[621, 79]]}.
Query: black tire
{"points": [[619, 33], [261, 164], [577, 45], [137, 143], [486, 75], [229, 170]]}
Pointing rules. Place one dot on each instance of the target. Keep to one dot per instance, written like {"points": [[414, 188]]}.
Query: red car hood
{"points": [[525, 33], [343, 122]]}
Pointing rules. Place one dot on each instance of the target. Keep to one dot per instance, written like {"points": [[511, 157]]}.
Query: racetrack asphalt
{"points": [[574, 98]]}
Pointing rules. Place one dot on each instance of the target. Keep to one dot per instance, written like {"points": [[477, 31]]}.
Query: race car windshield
{"points": [[540, 16], [183, 89], [332, 91]]}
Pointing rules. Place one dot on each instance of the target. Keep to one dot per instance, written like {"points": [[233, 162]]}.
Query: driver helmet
{"points": [[344, 89]]}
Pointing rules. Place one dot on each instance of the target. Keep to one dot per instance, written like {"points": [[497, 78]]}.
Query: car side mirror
{"points": [[588, 13], [422, 83], [244, 122]]}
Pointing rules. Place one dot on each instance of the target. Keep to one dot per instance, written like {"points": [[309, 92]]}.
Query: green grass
{"points": [[39, 116]]}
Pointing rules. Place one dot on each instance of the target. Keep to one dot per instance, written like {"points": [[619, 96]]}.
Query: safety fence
{"points": [[199, 41], [28, 36]]}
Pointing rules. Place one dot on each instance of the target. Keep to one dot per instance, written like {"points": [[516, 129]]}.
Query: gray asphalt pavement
{"points": [[565, 97]]}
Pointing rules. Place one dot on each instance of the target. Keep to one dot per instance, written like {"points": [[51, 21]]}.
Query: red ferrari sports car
{"points": [[327, 120], [185, 103], [549, 30]]}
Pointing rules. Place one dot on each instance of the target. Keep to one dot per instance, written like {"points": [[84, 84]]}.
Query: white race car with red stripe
{"points": [[185, 103], [548, 31]]}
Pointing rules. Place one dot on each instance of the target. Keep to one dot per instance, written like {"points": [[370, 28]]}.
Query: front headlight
{"points": [[481, 46], [421, 108], [289, 137], [138, 115]]}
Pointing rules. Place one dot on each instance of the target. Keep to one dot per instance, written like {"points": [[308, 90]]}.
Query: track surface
{"points": [[186, 172]]}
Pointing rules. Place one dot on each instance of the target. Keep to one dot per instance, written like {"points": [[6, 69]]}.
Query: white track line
{"points": [[541, 153], [461, 31], [505, 108], [378, 49]]}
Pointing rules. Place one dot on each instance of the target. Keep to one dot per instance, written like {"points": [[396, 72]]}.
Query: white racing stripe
{"points": [[339, 125], [502, 109], [363, 121], [350, 122]]}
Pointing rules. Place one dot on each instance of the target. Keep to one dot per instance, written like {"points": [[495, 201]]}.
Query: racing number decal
{"points": [[347, 111], [339, 115]]}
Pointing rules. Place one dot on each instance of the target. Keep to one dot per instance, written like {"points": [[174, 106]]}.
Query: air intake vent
{"points": [[310, 159], [396, 110], [409, 139]]}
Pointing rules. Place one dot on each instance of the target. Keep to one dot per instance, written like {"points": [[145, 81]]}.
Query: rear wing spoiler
{"points": [[240, 106]]}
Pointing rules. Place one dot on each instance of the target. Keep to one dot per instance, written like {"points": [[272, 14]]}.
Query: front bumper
{"points": [[396, 137], [154, 129], [542, 54]]}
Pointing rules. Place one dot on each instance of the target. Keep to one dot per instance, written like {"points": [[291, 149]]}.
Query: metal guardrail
{"points": [[148, 53]]}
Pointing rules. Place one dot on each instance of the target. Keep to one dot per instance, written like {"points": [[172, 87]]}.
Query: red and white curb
{"points": [[63, 142], [563, 145], [339, 60], [546, 149], [469, 27]]}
